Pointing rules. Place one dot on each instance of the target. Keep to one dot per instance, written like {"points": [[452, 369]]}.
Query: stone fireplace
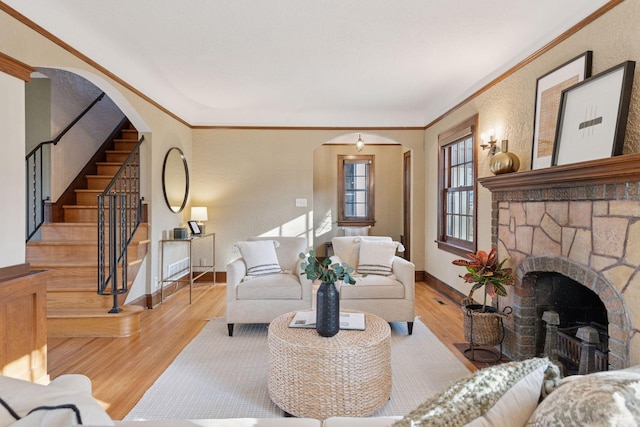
{"points": [[580, 222]]}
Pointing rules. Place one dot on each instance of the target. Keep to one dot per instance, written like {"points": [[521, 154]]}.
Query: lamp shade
{"points": [[199, 213]]}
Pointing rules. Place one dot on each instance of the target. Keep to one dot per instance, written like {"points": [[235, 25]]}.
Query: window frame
{"points": [[458, 133], [347, 221]]}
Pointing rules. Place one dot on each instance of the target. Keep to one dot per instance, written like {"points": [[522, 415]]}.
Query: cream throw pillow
{"points": [[376, 257], [23, 396], [260, 257], [502, 395]]}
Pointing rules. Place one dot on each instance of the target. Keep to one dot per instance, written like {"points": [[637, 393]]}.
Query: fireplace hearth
{"points": [[578, 225]]}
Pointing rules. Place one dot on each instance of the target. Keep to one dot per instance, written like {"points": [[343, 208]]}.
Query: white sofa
{"points": [[502, 395], [391, 296], [262, 298]]}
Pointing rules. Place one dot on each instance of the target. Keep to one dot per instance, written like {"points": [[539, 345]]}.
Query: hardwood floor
{"points": [[121, 369]]}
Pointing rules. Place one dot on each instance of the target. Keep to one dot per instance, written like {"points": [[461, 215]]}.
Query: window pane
{"points": [[469, 150], [355, 194], [458, 188]]}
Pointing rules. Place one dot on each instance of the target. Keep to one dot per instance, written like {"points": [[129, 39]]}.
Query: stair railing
{"points": [[34, 170], [121, 198]]}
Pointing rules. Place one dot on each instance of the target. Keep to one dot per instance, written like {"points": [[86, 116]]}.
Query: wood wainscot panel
{"points": [[23, 324]]}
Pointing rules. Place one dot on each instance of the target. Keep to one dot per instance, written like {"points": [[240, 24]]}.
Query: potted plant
{"points": [[482, 322], [327, 297]]}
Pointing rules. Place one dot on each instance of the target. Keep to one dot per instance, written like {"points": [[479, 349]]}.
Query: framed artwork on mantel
{"points": [[549, 88], [593, 116]]}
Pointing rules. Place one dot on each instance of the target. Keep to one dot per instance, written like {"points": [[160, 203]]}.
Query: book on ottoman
{"points": [[307, 319]]}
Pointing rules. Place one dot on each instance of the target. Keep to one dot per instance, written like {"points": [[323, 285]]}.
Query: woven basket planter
{"points": [[483, 325]]}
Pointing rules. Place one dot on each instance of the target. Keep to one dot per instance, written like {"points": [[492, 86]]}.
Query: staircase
{"points": [[69, 250]]}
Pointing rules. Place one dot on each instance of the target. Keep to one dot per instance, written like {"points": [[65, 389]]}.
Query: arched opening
{"points": [[576, 306], [391, 187], [575, 290]]}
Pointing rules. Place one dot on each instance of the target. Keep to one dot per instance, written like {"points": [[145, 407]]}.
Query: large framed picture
{"points": [[593, 116], [549, 88]]}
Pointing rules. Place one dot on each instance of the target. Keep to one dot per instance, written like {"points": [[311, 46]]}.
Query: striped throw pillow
{"points": [[376, 257], [260, 257]]}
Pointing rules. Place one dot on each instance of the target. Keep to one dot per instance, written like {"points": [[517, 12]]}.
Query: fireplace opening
{"points": [[577, 306]]}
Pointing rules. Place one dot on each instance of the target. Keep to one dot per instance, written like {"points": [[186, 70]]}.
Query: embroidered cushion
{"points": [[260, 257], [376, 257], [502, 395], [609, 398]]}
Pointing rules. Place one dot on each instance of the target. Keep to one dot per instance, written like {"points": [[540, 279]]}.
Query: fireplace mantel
{"points": [[612, 170]]}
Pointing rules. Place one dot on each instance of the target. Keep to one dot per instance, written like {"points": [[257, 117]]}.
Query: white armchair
{"points": [[388, 290], [255, 297]]}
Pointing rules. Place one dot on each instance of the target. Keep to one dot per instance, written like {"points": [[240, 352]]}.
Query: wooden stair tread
{"points": [[54, 263], [79, 312], [79, 242], [63, 243], [80, 207]]}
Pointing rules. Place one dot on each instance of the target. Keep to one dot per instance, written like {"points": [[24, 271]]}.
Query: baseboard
{"points": [[453, 294]]}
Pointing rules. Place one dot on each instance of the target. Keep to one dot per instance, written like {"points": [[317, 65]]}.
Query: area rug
{"points": [[217, 376]]}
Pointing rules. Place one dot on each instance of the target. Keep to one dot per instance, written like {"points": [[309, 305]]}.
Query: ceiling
{"points": [[325, 63]]}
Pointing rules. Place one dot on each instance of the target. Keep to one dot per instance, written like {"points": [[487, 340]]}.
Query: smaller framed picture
{"points": [[593, 116], [194, 227]]}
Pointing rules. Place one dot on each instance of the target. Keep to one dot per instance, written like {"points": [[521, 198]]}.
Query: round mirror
{"points": [[175, 179]]}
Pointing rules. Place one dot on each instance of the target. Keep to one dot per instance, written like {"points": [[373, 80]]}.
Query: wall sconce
{"points": [[489, 142], [199, 214], [360, 143], [502, 161]]}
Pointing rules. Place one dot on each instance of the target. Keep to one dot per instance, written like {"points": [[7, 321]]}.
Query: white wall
{"points": [[12, 192]]}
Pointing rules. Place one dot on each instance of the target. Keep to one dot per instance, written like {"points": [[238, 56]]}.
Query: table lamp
{"points": [[199, 214]]}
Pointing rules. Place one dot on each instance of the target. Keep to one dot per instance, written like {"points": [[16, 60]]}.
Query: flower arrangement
{"points": [[483, 269], [325, 271]]}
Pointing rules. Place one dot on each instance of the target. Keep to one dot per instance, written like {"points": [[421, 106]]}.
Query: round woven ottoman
{"points": [[348, 374]]}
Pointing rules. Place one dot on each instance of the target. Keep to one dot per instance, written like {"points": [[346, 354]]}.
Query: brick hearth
{"points": [[581, 221]]}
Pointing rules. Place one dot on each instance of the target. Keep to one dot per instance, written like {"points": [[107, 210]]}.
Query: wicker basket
{"points": [[482, 327]]}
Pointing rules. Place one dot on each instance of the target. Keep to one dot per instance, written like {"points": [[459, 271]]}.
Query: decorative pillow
{"points": [[502, 395], [376, 257], [23, 396], [260, 257], [609, 398]]}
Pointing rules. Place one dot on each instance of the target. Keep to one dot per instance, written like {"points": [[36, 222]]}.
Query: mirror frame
{"points": [[164, 178]]}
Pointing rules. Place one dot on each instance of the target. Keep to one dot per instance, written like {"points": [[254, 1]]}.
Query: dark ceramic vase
{"points": [[327, 310]]}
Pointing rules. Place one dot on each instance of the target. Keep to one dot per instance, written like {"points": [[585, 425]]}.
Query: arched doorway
{"points": [[392, 187]]}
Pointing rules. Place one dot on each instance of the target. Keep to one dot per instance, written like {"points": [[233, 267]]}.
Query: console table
{"points": [[348, 374], [187, 274]]}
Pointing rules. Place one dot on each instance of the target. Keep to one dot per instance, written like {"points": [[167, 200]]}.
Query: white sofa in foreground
{"points": [[528, 393]]}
